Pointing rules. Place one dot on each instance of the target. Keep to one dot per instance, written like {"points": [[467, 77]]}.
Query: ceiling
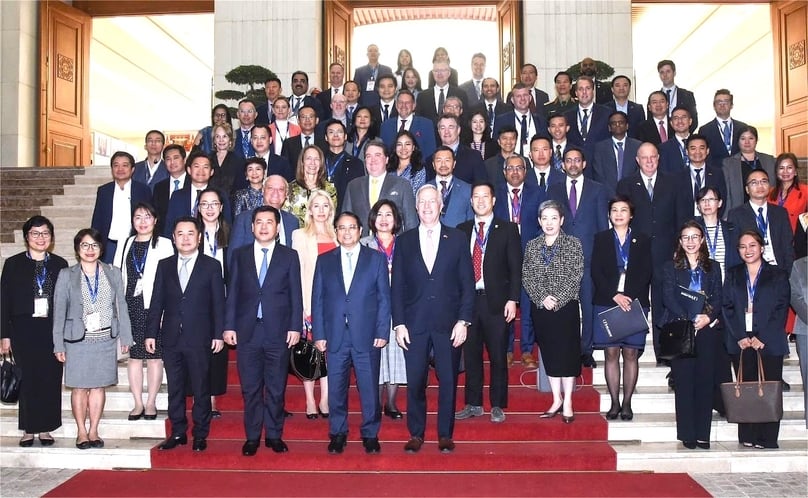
{"points": [[365, 16]]}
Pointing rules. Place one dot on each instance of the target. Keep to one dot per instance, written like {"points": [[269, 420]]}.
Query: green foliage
{"points": [[246, 75], [604, 70]]}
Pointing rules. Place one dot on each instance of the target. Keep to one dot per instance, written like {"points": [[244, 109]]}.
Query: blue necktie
{"points": [[620, 157], [261, 276], [762, 224], [176, 185], [697, 184], [727, 137]]}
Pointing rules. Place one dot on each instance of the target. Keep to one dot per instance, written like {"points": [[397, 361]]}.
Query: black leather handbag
{"points": [[10, 379], [677, 339], [753, 402], [306, 361]]}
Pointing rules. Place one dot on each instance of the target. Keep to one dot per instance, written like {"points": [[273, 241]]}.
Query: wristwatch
{"points": [[465, 323]]}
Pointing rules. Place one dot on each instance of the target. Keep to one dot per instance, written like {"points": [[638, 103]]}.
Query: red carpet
{"points": [[342, 484]]}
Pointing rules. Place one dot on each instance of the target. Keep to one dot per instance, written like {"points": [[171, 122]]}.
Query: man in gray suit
{"points": [[474, 86], [363, 192]]}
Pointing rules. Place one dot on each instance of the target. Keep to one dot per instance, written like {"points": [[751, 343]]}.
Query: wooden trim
{"points": [[111, 8]]}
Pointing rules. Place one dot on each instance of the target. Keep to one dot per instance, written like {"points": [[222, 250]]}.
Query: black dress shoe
{"points": [[691, 445], [249, 448], [200, 444], [394, 414], [173, 441], [27, 443], [550, 414], [337, 444], [153, 416], [287, 414], [587, 360], [568, 420], [46, 441], [371, 445], [84, 445], [137, 416], [705, 445], [311, 416], [446, 445], [277, 445], [215, 414]]}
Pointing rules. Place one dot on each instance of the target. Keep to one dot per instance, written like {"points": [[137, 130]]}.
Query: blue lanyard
{"points": [[331, 169], [622, 249], [40, 277], [695, 278], [481, 239], [751, 289], [712, 245], [213, 247], [93, 291], [139, 264], [548, 259]]}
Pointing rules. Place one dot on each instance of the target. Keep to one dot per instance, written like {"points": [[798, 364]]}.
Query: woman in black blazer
{"points": [[621, 272], [768, 289], [693, 269]]}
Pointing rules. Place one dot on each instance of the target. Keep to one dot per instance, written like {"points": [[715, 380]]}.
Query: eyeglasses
{"points": [[39, 235], [220, 115], [89, 245], [689, 238], [143, 217], [514, 168], [709, 200], [755, 183], [208, 205], [347, 228]]}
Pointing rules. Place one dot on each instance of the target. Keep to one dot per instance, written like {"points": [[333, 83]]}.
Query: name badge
{"points": [[371, 85], [138, 287], [748, 319], [621, 284], [92, 322], [40, 307]]}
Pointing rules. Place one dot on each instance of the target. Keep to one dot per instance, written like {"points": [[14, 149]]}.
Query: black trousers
{"points": [[762, 434], [695, 387], [489, 330], [188, 365]]}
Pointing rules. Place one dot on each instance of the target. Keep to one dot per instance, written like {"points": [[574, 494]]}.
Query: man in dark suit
{"points": [[495, 165], [587, 213], [364, 191], [677, 97], [275, 191], [115, 201], [558, 127], [657, 128], [262, 147], [368, 75], [498, 284], [653, 194], [474, 86], [421, 128], [264, 316], [722, 132], [455, 192], [299, 97], [673, 153], [613, 158], [272, 89], [770, 220], [351, 302], [241, 135], [698, 175], [152, 169], [187, 315], [542, 172], [635, 114], [340, 167], [470, 166], [292, 146], [601, 90], [527, 124], [386, 107], [184, 202], [178, 179], [429, 103], [433, 301], [588, 121], [519, 203], [336, 78], [491, 103], [528, 76]]}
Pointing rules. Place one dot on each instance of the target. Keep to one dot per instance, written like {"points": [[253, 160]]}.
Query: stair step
{"points": [[660, 400], [116, 454]]}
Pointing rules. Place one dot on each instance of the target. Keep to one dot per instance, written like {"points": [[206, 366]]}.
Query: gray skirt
{"points": [[91, 363]]}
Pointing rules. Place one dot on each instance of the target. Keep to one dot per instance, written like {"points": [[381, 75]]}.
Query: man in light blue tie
{"points": [[174, 159]]}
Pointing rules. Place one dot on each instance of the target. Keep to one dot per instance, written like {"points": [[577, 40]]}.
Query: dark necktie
{"points": [[403, 122], [697, 183], [491, 116], [308, 140], [542, 181], [558, 158], [532, 101], [585, 124], [441, 101], [650, 189], [386, 112], [444, 191], [350, 113], [196, 202], [620, 157], [477, 254], [670, 104], [573, 198], [762, 224], [523, 137], [727, 137]]}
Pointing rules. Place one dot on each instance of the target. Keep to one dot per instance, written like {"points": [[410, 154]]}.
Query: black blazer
{"points": [[686, 99], [425, 103], [673, 306], [731, 234], [770, 309], [648, 131], [230, 175], [293, 146], [779, 228], [605, 275], [349, 168], [502, 271], [17, 293], [636, 115], [192, 318], [711, 177], [469, 166]]}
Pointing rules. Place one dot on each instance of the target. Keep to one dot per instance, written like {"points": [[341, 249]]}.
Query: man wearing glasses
{"points": [[430, 102], [722, 132], [241, 136]]}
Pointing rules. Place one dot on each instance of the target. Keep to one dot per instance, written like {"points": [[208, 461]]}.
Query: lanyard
{"points": [[751, 289], [213, 247], [712, 245], [139, 263], [548, 258], [622, 249], [93, 291], [388, 252], [481, 239], [331, 169], [40, 277], [695, 278]]}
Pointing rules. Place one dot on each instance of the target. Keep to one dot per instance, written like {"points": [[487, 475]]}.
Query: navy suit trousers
{"points": [[189, 366], [366, 366]]}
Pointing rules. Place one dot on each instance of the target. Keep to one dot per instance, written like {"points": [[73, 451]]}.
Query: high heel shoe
{"points": [[27, 443], [137, 416], [322, 413], [568, 420], [550, 414], [311, 416], [613, 412], [626, 413], [394, 414]]}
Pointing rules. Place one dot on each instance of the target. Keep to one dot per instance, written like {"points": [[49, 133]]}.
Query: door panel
{"points": [[509, 22], [64, 50], [789, 31], [339, 24]]}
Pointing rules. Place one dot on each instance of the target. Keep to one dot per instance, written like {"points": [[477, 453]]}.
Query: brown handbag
{"points": [[753, 402]]}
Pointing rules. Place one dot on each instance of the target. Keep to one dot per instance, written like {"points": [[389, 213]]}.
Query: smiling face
{"points": [[200, 171], [620, 214], [259, 138], [385, 220], [265, 227], [410, 80], [351, 92], [175, 163], [786, 170], [281, 109], [122, 169], [477, 67], [404, 149], [375, 160], [246, 114], [658, 105], [449, 131], [750, 250], [300, 84], [335, 136], [648, 159], [210, 206], [563, 85], [307, 120], [697, 151], [478, 124], [312, 162], [338, 104], [428, 206], [336, 75], [255, 175], [482, 201], [405, 104], [558, 128], [507, 142], [275, 191], [387, 89], [490, 89], [520, 98], [347, 231], [89, 249], [362, 119], [39, 238], [691, 239], [574, 163], [681, 121], [186, 238], [585, 92], [550, 221], [514, 171], [443, 162], [143, 222], [220, 139]]}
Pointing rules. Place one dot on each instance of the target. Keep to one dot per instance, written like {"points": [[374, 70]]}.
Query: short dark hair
{"points": [[696, 136], [93, 233], [682, 108], [508, 129], [36, 221], [405, 91], [248, 101], [754, 234], [480, 55], [537, 137], [751, 129], [388, 77], [443, 148], [331, 122], [349, 214], [702, 193], [274, 79], [574, 149], [485, 183], [666, 62], [162, 137], [562, 73], [622, 198], [299, 72], [149, 208], [398, 221], [122, 153], [618, 113], [658, 92], [260, 161], [623, 76], [195, 155], [187, 219], [557, 115], [266, 209], [335, 64], [168, 148]]}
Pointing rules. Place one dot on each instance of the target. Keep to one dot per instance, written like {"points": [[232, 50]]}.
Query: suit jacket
{"points": [[309, 101], [733, 176], [656, 218], [17, 294], [422, 128], [730, 234], [229, 175], [280, 296], [180, 205], [781, 237], [495, 169], [671, 159], [685, 98], [673, 303], [648, 131], [606, 274], [68, 310], [238, 136], [457, 207], [363, 312], [102, 212], [686, 203], [602, 163], [509, 119], [432, 302], [636, 115], [540, 98], [377, 113], [769, 309], [241, 233], [362, 75], [715, 140], [348, 168], [592, 215], [161, 173], [262, 115], [161, 197], [499, 108], [555, 176], [469, 165], [191, 318], [293, 146], [324, 98], [532, 197], [502, 272], [471, 92], [425, 103], [598, 126], [394, 188]]}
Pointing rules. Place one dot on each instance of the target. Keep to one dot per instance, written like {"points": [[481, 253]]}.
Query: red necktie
{"points": [[477, 253], [516, 206], [663, 134]]}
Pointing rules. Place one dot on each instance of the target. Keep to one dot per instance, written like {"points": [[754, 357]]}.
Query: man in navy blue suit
{"points": [[527, 124], [115, 201], [275, 191], [635, 113], [187, 315], [542, 173], [433, 301], [588, 121], [430, 101], [152, 169], [613, 158], [469, 165], [657, 128], [368, 76], [184, 202], [723, 132], [455, 192], [673, 153], [697, 175], [587, 213], [272, 89], [264, 317], [300, 97], [241, 135], [351, 302], [422, 129]]}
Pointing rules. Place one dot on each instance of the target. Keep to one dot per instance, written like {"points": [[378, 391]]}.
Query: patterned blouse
{"points": [[247, 199], [553, 271], [417, 179], [299, 197]]}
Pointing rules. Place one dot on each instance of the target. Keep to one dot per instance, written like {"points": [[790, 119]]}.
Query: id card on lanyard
{"points": [[750, 298], [40, 301]]}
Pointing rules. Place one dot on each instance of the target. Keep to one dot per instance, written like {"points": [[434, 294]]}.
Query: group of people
{"points": [[361, 219]]}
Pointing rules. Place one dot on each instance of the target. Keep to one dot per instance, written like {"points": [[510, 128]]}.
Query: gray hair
{"points": [[551, 204]]}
